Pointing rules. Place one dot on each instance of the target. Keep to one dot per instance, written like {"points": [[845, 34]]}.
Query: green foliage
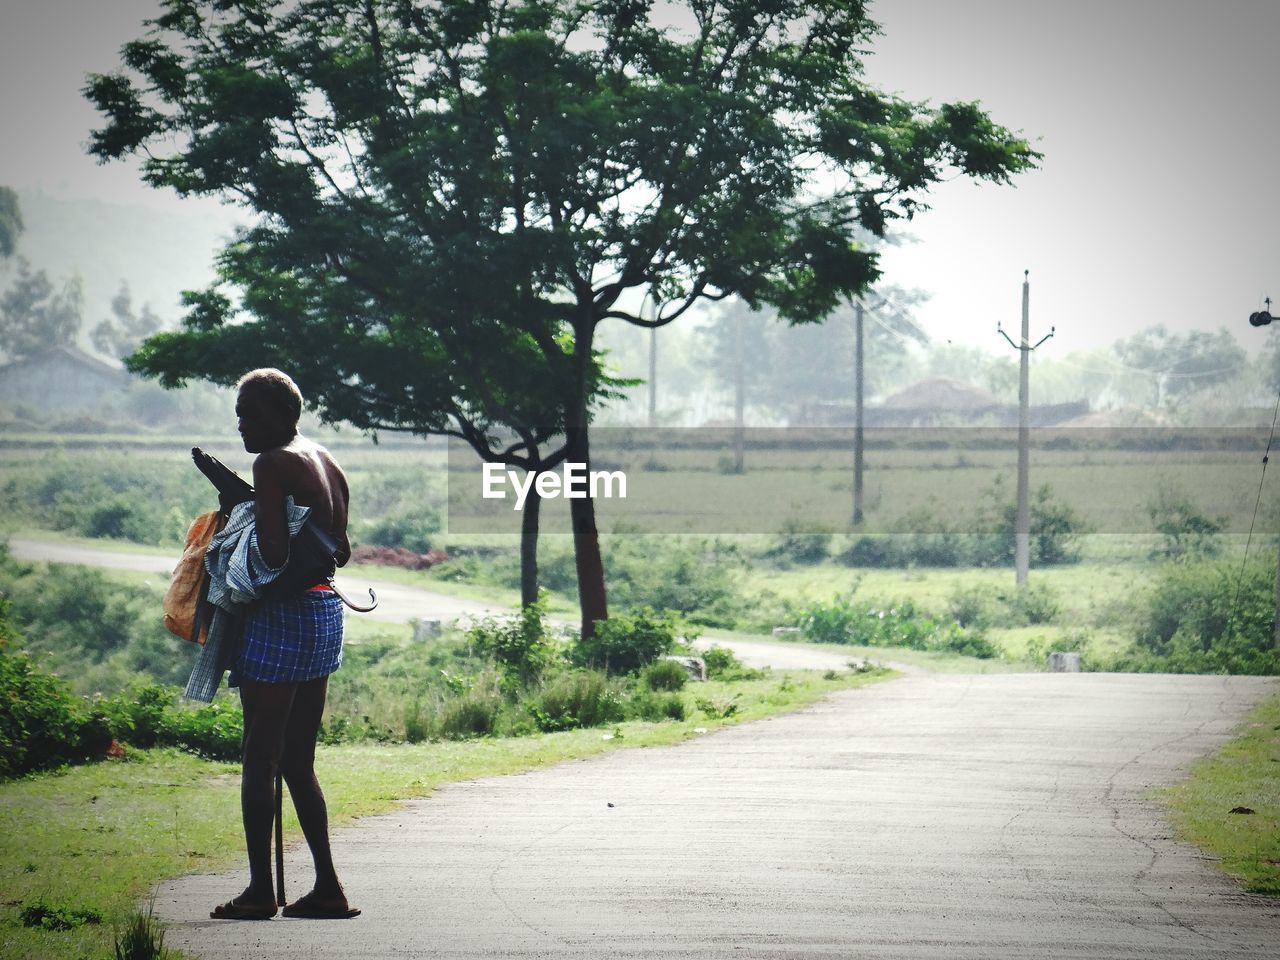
{"points": [[142, 937], [519, 645], [665, 675], [415, 530], [58, 917], [626, 642], [697, 579], [577, 698], [1208, 616], [655, 707], [846, 621], [42, 723], [927, 538], [723, 664], [1185, 530], [794, 545], [473, 714], [146, 500]]}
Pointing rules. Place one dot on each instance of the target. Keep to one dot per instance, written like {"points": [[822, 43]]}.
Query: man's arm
{"points": [[272, 525]]}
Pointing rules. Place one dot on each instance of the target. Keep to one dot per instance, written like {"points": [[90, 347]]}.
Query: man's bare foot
{"points": [[248, 906]]}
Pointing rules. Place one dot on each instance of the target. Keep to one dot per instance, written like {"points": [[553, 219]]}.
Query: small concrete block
{"points": [[696, 667], [424, 630], [788, 632], [1064, 662]]}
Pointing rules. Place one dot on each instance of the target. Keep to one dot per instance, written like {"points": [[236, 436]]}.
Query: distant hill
{"points": [[160, 254]]}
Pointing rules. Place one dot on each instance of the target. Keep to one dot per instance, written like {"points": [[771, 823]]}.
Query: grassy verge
{"points": [[1244, 774], [96, 839]]}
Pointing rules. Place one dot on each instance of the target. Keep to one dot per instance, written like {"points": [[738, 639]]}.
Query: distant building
{"points": [[61, 380], [940, 401]]}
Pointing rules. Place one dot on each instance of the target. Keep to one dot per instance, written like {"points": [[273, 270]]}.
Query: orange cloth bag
{"points": [[185, 596]]}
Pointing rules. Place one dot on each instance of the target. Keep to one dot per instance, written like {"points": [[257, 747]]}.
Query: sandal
{"points": [[242, 911], [312, 906]]}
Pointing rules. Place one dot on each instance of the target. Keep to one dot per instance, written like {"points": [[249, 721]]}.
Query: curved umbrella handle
{"points": [[350, 603]]}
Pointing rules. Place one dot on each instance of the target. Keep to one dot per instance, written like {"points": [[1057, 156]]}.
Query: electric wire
{"points": [[1266, 456]]}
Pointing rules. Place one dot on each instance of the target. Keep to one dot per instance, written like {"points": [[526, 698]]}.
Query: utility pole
{"points": [[739, 396], [859, 382], [1022, 524], [1262, 318], [653, 376]]}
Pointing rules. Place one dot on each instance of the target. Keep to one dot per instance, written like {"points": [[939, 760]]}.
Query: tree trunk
{"points": [[529, 549], [586, 540], [586, 544]]}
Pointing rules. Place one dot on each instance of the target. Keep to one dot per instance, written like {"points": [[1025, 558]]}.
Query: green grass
{"points": [[1244, 773], [101, 836], [932, 661]]}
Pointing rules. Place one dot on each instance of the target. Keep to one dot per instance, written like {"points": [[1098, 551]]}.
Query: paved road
{"points": [[930, 817]]}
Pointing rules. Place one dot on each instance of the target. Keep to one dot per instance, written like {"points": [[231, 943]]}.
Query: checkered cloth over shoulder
{"points": [[289, 641]]}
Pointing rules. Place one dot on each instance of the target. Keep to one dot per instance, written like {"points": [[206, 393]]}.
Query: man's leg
{"points": [[267, 707], [298, 767]]}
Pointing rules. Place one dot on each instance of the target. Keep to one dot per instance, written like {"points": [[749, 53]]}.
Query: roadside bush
{"points": [[519, 645], [845, 621], [43, 725], [1207, 616], [795, 546], [1032, 604], [976, 606], [723, 664], [576, 698], [415, 530], [473, 714], [625, 642], [656, 707], [922, 538], [697, 579], [1186, 531], [665, 675]]}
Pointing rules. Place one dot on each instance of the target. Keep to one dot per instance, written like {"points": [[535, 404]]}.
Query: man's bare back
{"points": [[288, 464]]}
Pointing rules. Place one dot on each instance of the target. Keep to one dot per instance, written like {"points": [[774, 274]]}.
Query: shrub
{"points": [[1033, 604], [625, 642], [142, 937], [665, 675], [723, 664], [519, 645], [577, 698], [1208, 616], [474, 714], [1185, 530], [845, 621], [42, 723], [656, 707], [58, 917], [976, 606], [697, 579], [413, 530]]}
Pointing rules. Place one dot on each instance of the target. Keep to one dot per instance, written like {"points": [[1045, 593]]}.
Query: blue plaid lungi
{"points": [[292, 640]]}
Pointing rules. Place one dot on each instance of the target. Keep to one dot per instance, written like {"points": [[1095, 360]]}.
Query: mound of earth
{"points": [[398, 557]]}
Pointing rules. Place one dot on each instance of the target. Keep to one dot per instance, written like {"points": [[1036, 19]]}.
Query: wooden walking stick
{"points": [[280, 898]]}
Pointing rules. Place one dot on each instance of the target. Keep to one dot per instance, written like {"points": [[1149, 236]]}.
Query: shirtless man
{"points": [[291, 645]]}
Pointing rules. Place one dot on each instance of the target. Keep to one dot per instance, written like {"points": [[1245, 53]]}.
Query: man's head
{"points": [[268, 405]]}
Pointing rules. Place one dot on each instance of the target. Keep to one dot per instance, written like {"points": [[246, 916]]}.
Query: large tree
{"points": [[453, 196]]}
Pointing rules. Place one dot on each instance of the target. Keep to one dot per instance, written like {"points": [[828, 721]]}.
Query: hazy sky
{"points": [[1157, 200]]}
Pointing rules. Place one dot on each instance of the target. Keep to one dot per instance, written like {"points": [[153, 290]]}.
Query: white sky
{"points": [[1157, 199]]}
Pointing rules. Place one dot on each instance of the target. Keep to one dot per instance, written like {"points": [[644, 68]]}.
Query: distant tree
{"points": [[453, 196], [35, 316], [787, 366], [123, 332], [11, 225], [1181, 365]]}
